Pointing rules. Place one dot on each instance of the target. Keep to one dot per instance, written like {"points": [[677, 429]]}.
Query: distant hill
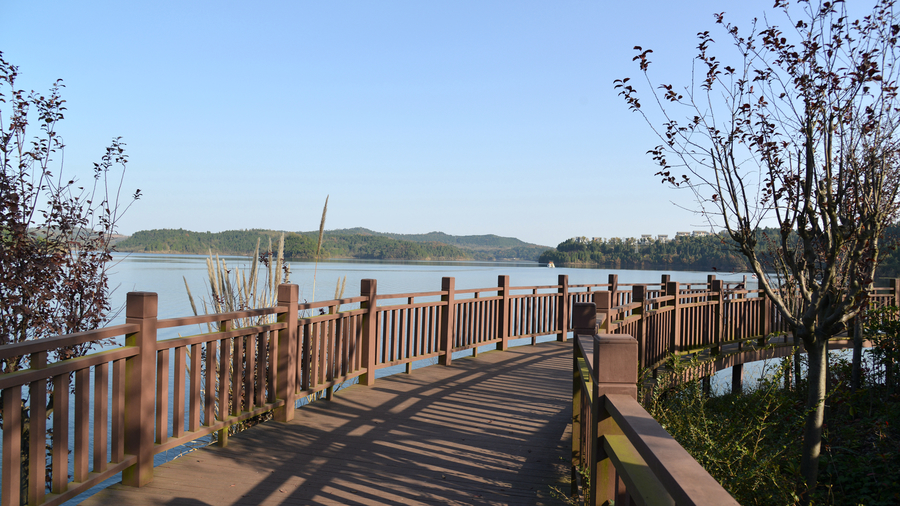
{"points": [[488, 247], [489, 241], [346, 243]]}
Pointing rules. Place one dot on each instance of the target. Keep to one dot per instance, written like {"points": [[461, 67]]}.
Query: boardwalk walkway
{"points": [[493, 429]]}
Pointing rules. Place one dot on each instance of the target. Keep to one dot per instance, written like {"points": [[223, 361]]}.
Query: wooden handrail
{"points": [[617, 439], [680, 475], [218, 317], [54, 343]]}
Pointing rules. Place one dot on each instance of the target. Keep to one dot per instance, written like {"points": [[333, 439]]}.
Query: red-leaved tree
{"points": [[798, 130], [55, 230]]}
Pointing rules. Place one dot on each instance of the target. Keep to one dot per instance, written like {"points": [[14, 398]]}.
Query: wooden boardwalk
{"points": [[493, 429]]}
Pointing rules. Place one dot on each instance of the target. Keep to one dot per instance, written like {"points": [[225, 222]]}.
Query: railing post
{"points": [[638, 294], [603, 302], [288, 353], [562, 308], [140, 376], [447, 285], [672, 288], [577, 400], [614, 288], [763, 318], [503, 313], [584, 322], [718, 316], [368, 289], [584, 318], [894, 283], [737, 379], [615, 373]]}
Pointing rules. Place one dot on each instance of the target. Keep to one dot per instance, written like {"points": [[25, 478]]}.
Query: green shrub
{"points": [[746, 441]]}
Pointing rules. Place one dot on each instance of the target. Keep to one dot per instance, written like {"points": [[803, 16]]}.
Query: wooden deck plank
{"points": [[493, 429]]}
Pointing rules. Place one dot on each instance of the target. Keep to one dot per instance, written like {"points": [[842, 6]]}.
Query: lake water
{"points": [[166, 275]]}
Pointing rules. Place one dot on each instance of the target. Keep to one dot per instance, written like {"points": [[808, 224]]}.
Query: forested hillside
{"points": [[302, 246], [478, 247], [464, 241]]}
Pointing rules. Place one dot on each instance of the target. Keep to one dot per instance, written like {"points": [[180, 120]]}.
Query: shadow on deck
{"points": [[493, 429]]}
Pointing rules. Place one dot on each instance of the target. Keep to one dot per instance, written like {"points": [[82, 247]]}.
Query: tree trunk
{"points": [[855, 377], [788, 371], [815, 414], [889, 375]]}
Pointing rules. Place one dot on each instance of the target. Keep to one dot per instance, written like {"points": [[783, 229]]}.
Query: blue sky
{"points": [[467, 117]]}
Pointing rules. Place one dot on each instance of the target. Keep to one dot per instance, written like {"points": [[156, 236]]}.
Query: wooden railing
{"points": [[628, 457], [152, 395]]}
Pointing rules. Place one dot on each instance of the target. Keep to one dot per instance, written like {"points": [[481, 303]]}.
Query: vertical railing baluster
{"points": [[82, 425], [194, 419], [209, 404], [178, 386], [672, 289], [60, 451], [305, 362], [162, 396], [250, 373], [718, 315], [37, 446], [562, 308], [229, 387], [384, 343], [315, 345], [263, 366], [117, 408], [12, 444]]}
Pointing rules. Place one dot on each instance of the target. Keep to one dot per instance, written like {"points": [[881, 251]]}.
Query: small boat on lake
{"points": [[550, 265]]}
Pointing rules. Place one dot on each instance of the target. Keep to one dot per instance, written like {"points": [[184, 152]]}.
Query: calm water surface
{"points": [[166, 275]]}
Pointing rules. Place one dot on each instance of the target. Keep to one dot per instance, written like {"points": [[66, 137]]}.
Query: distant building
{"points": [[646, 237], [682, 234], [662, 238], [698, 233]]}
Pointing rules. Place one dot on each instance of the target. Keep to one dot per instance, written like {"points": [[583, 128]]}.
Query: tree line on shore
{"points": [[353, 243], [711, 252], [708, 252]]}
